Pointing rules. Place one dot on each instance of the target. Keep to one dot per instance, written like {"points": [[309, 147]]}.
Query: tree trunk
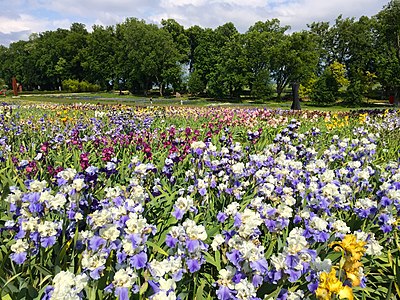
{"points": [[296, 100], [398, 46], [14, 86], [279, 93]]}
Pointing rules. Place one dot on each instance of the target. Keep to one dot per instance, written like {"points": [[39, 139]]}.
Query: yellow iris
{"points": [[350, 263], [336, 121], [329, 284], [346, 293], [353, 251], [351, 246], [362, 118]]}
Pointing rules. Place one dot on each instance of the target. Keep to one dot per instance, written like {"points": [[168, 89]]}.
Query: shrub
{"points": [[195, 83], [355, 92], [74, 86], [325, 89], [262, 87]]}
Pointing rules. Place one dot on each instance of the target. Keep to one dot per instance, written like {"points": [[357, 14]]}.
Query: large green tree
{"points": [[352, 43], [146, 54], [195, 35], [179, 37], [227, 64], [259, 43], [214, 63], [59, 55], [389, 48], [100, 56], [293, 60]]}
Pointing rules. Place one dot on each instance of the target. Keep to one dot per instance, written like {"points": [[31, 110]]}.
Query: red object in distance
{"points": [[14, 85]]}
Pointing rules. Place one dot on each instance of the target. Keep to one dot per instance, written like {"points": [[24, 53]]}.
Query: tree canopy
{"points": [[220, 62]]}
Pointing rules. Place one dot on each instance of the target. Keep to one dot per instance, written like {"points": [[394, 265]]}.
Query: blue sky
{"points": [[20, 18]]}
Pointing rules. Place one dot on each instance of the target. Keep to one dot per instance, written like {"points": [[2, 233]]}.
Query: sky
{"points": [[20, 18]]}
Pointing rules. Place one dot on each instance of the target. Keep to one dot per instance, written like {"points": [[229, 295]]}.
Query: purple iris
{"points": [[122, 293], [193, 265], [224, 293], [222, 217], [19, 258], [178, 213], [139, 260], [170, 241], [48, 241], [234, 257], [96, 242]]}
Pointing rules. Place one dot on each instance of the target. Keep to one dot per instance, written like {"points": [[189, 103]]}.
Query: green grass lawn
{"points": [[131, 100]]}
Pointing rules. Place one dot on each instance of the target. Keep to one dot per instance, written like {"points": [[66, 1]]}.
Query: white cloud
{"points": [[198, 3], [27, 16], [22, 23], [298, 14], [176, 3]]}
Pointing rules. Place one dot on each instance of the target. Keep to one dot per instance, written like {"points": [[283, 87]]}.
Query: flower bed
{"points": [[175, 203]]}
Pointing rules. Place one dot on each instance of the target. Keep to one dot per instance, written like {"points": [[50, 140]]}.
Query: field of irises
{"points": [[117, 202]]}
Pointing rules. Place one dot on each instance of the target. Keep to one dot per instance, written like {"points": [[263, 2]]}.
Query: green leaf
{"points": [[32, 292], [6, 297], [11, 280], [199, 294], [211, 260], [268, 253], [63, 251], [43, 270], [143, 288], [157, 248], [211, 232], [217, 256]]}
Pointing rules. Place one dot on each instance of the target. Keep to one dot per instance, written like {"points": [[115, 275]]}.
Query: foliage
{"points": [[325, 89], [389, 41], [338, 72], [293, 60], [306, 87], [72, 85], [355, 92], [3, 84], [359, 87], [133, 55], [195, 84], [261, 86]]}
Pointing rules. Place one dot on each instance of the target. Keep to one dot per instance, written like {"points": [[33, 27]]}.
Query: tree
{"points": [[146, 54], [205, 55], [59, 55], [195, 83], [338, 72], [20, 63], [100, 56], [293, 61], [389, 46], [73, 50], [233, 66], [258, 42], [179, 37], [321, 33], [194, 34], [351, 44], [326, 87], [217, 61]]}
